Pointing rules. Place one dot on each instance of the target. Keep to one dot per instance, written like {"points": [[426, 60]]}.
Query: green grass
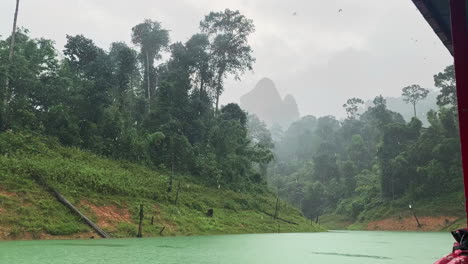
{"points": [[459, 223], [335, 221], [450, 204], [83, 177]]}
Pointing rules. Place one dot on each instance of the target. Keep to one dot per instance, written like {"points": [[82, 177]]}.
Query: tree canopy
{"points": [[351, 166], [99, 99], [413, 94]]}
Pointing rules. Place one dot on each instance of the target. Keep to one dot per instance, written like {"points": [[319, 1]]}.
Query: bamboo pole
{"points": [[140, 225]]}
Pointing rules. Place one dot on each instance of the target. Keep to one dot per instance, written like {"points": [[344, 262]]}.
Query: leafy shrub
{"points": [[127, 229], [231, 205], [62, 229]]}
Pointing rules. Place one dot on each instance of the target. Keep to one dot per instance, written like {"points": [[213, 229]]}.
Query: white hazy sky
{"points": [[320, 56]]}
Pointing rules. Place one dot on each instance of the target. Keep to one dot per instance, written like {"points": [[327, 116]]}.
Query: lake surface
{"points": [[332, 247]]}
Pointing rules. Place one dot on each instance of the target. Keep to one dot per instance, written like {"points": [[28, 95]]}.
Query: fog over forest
{"points": [[311, 49], [226, 117]]}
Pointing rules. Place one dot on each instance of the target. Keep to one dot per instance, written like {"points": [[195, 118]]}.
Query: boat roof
{"points": [[437, 14]]}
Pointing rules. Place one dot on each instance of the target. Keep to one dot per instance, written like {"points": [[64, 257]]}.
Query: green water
{"points": [[332, 247]]}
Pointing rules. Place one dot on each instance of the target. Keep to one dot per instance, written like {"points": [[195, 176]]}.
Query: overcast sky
{"points": [[319, 55]]}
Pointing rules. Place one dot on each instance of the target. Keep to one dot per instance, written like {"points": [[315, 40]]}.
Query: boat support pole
{"points": [[460, 46]]}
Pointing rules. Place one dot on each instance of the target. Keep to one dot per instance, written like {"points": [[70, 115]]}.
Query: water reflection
{"points": [[350, 255]]}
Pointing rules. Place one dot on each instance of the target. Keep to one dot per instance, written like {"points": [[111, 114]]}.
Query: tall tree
{"points": [[92, 80], [6, 91], [124, 68], [258, 132], [152, 39], [32, 75], [413, 94], [262, 142], [352, 107], [230, 52], [445, 81], [198, 52]]}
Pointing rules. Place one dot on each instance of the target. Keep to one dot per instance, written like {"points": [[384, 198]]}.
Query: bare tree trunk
{"points": [[276, 207], [6, 92], [201, 88], [177, 194], [417, 220], [140, 224], [218, 91], [217, 100], [148, 81], [162, 229], [171, 179], [393, 188], [13, 33], [414, 108]]}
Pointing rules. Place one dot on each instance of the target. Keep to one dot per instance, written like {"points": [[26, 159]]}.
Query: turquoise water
{"points": [[332, 247]]}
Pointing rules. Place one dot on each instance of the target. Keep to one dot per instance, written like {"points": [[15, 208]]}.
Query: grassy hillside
{"points": [[442, 213], [110, 192]]}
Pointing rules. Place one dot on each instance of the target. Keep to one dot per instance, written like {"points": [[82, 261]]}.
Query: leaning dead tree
{"points": [[13, 33], [6, 91]]}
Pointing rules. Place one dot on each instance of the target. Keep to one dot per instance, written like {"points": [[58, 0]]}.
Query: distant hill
{"points": [[265, 101], [406, 110]]}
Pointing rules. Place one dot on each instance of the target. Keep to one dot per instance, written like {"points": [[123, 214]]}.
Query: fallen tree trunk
{"points": [[162, 229], [70, 206], [281, 219], [90, 223]]}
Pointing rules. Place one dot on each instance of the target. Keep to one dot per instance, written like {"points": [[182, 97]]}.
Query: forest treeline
{"points": [[128, 103], [323, 165], [157, 103]]}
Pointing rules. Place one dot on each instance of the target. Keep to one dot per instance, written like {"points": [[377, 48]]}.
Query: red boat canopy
{"points": [[449, 20]]}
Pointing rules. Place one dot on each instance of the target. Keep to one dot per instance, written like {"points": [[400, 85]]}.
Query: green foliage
{"points": [[445, 81], [299, 142], [157, 126], [352, 107], [85, 178], [228, 32], [118, 103], [413, 94], [63, 229], [127, 230], [369, 166], [151, 38]]}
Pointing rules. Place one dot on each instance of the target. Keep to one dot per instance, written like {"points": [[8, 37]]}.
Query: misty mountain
{"points": [[265, 101]]}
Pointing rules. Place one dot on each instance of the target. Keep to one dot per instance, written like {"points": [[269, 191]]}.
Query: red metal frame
{"points": [[460, 46]]}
